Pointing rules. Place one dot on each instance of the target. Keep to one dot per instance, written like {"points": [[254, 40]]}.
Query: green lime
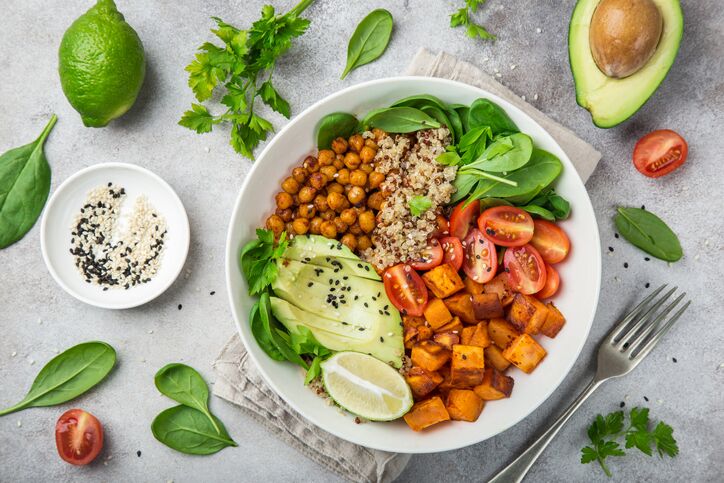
{"points": [[366, 386], [102, 64]]}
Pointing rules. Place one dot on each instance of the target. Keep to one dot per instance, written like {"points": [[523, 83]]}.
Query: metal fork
{"points": [[622, 350]]}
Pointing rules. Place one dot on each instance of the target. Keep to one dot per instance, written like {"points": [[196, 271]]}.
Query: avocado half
{"points": [[609, 100]]}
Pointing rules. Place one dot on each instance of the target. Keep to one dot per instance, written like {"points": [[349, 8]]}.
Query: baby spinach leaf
{"points": [[68, 375], [262, 337], [418, 101], [186, 386], [506, 154], [279, 338], [24, 187], [456, 124], [486, 203], [369, 39], [449, 158], [333, 126], [464, 112], [304, 342], [554, 203], [484, 112], [189, 431], [648, 232], [540, 212], [401, 120], [440, 116], [463, 184]]}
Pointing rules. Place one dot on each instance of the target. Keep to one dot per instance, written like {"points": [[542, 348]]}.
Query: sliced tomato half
{"points": [[659, 153], [453, 251], [506, 226], [78, 436], [551, 241], [463, 218], [553, 281], [481, 258], [405, 289], [526, 269], [430, 257]]}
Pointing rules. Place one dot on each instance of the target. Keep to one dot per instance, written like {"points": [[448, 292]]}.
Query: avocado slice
{"points": [[613, 100], [310, 246], [378, 340]]}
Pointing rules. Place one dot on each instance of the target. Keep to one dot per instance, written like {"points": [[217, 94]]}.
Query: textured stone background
{"points": [[37, 317]]}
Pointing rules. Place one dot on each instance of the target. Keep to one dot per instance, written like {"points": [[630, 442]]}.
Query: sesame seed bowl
{"points": [[114, 235]]}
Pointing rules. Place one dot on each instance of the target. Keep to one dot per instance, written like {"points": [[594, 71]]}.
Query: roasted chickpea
{"points": [[339, 161], [320, 203], [342, 176], [356, 142], [367, 167], [356, 195], [366, 221], [364, 242], [375, 200], [335, 200], [306, 210], [318, 180], [315, 226], [379, 134], [328, 215], [375, 178], [275, 224], [349, 216], [329, 230], [289, 228], [290, 185], [355, 229], [350, 240], [340, 145], [358, 177], [284, 200], [286, 214], [335, 188], [370, 143], [340, 225], [352, 160], [307, 194], [311, 164], [325, 157], [367, 154], [299, 174], [328, 171], [344, 206], [300, 226]]}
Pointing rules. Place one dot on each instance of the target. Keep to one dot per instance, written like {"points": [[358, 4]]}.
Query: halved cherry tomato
{"points": [[443, 227], [526, 270], [405, 289], [453, 251], [506, 226], [481, 258], [553, 280], [430, 257], [78, 436], [659, 153], [551, 241], [463, 217]]}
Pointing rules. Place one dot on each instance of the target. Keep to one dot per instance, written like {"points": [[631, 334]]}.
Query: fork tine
{"points": [[641, 321], [650, 326], [633, 314], [658, 335]]}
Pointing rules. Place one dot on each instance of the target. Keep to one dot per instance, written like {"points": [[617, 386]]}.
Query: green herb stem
{"points": [[301, 7], [484, 174]]}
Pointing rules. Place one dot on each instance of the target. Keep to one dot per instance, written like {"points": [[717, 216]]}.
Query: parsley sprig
{"points": [[462, 18], [419, 205], [244, 67], [258, 260], [605, 431]]}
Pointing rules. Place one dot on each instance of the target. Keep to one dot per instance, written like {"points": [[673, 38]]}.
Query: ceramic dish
{"points": [[55, 232], [577, 299]]}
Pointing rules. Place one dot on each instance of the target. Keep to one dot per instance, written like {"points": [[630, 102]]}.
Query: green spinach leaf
{"points": [[401, 120], [186, 386], [540, 212], [648, 232], [333, 126], [262, 336], [24, 187], [189, 431], [440, 116], [484, 112], [558, 206], [369, 40], [418, 101], [68, 375], [278, 337], [506, 154]]}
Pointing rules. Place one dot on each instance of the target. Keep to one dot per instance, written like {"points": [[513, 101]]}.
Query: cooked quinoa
{"points": [[410, 169]]}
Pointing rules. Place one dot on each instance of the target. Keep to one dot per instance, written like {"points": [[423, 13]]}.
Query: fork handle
{"points": [[516, 471]]}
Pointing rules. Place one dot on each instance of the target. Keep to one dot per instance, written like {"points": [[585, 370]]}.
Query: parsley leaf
{"points": [[258, 260], [198, 118], [419, 205], [664, 437], [461, 18]]}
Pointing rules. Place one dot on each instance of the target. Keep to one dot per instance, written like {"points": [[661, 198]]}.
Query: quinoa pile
{"points": [[117, 260], [410, 169]]}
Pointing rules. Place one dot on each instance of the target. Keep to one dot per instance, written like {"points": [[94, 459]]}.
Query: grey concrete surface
{"points": [[37, 317]]}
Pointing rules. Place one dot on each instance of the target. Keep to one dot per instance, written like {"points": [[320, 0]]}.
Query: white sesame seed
{"points": [[20, 423], [14, 354], [498, 75], [522, 97], [538, 30], [206, 149], [150, 331], [513, 66], [32, 362], [535, 97], [495, 69]]}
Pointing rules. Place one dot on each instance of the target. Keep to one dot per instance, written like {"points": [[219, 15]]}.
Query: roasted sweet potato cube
{"points": [[495, 385], [525, 353], [445, 386], [422, 382], [487, 306], [426, 413], [502, 332], [447, 339], [464, 405], [467, 334], [467, 365], [454, 326], [437, 314], [472, 287], [443, 281], [424, 332], [554, 321], [412, 321], [429, 355], [494, 356], [527, 313], [480, 337], [499, 285], [462, 305]]}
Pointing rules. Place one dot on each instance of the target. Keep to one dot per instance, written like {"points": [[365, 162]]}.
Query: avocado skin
{"points": [[612, 101]]}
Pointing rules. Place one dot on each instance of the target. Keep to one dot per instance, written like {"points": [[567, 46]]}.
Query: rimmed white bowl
{"points": [[580, 274], [69, 198]]}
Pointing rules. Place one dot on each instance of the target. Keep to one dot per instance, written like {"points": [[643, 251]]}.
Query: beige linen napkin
{"points": [[239, 381]]}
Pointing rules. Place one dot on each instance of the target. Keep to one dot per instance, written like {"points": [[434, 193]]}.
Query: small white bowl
{"points": [[69, 198]]}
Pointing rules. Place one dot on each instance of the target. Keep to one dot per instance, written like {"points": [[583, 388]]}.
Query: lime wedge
{"points": [[366, 386]]}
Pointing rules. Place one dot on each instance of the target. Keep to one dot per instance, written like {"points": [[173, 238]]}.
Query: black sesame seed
{"points": [[674, 359], [643, 207], [646, 399], [465, 357], [647, 285], [366, 304], [382, 339], [647, 259], [310, 284], [625, 264], [622, 404], [180, 306], [138, 453], [213, 292], [615, 235], [610, 249]]}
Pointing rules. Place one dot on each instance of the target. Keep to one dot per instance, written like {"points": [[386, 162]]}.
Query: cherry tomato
{"points": [[659, 153], [506, 226], [405, 289], [453, 251], [430, 258], [78, 436], [481, 258], [526, 270], [551, 241], [552, 283], [443, 227], [463, 217]]}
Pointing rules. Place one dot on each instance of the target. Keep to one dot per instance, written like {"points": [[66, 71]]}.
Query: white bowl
{"points": [[580, 274], [69, 198]]}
